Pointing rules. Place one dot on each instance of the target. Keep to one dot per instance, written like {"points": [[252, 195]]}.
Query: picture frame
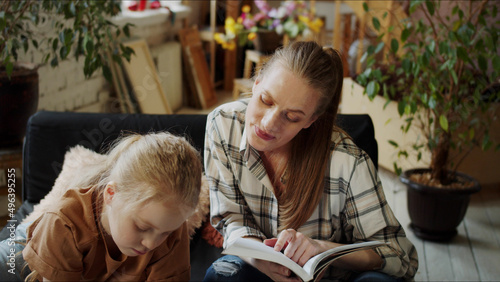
{"points": [[144, 80]]}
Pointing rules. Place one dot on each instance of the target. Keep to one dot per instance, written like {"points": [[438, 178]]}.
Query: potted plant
{"points": [[265, 28], [445, 68], [57, 29]]}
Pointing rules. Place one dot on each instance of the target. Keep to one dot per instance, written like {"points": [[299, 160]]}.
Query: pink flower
{"points": [[258, 17], [262, 5], [290, 8], [276, 23], [248, 23]]}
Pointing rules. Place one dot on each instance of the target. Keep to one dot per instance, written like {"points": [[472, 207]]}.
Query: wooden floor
{"points": [[473, 255]]}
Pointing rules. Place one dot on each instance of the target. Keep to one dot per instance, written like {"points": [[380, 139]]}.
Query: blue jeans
{"points": [[11, 257], [233, 268]]}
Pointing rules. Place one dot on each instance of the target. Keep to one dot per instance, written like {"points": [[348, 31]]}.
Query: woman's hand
{"points": [[273, 270], [301, 248], [296, 246]]}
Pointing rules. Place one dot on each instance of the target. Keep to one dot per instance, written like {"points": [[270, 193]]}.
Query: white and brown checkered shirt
{"points": [[353, 208]]}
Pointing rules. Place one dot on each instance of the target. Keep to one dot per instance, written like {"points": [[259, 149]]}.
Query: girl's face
{"points": [[281, 105], [141, 230]]}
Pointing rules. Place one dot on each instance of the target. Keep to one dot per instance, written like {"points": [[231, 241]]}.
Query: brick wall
{"points": [[65, 88]]}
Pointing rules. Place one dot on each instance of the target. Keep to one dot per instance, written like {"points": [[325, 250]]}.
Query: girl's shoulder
{"points": [[76, 211], [78, 206]]}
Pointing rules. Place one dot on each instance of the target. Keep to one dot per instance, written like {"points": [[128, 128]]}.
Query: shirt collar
{"points": [[249, 154], [244, 147]]}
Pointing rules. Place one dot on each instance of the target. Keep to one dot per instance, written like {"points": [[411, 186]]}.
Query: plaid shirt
{"points": [[353, 208]]}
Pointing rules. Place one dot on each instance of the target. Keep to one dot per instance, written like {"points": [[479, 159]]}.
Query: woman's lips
{"points": [[139, 253], [263, 135]]}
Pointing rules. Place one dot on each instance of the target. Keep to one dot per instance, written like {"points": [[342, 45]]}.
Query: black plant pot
{"points": [[18, 101], [436, 212]]}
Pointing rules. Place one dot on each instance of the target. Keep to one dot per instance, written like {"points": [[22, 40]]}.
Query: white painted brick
{"points": [[65, 67], [76, 74], [65, 87]]}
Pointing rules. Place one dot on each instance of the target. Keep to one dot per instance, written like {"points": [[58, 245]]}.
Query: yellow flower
{"points": [[304, 19], [229, 45], [251, 36], [246, 9], [313, 25], [219, 38], [230, 26], [316, 25]]}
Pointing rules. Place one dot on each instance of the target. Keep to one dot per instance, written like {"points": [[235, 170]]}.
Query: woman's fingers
{"points": [[296, 245], [284, 238]]}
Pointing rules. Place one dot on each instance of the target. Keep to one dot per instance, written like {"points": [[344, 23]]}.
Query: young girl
{"points": [[125, 219], [279, 169]]}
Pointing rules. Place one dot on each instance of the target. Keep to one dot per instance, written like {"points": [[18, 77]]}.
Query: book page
{"points": [[251, 248], [332, 254]]}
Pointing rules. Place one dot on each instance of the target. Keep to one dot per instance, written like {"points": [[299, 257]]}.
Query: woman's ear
{"points": [[257, 81], [313, 119], [109, 192]]}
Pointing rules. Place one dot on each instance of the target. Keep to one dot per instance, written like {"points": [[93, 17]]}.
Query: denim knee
{"points": [[233, 268], [374, 276], [11, 258]]}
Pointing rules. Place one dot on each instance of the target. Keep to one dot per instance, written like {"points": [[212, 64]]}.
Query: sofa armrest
{"points": [[360, 128]]}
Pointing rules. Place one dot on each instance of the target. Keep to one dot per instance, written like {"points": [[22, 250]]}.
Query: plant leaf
{"points": [[401, 108], [376, 23], [483, 64], [430, 7], [3, 23], [443, 121], [405, 34], [462, 54], [372, 89], [379, 47], [393, 143], [106, 71], [394, 45], [9, 67], [365, 7]]}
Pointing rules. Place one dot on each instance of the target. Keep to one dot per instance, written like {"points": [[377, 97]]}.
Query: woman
{"points": [[279, 168]]}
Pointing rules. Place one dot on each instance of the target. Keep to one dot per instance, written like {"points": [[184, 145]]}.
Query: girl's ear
{"points": [[109, 192]]}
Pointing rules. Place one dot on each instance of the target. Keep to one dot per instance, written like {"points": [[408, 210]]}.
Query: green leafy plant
{"points": [[445, 68], [56, 28]]}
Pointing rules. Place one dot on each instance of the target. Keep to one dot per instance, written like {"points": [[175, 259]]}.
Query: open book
{"points": [[313, 267]]}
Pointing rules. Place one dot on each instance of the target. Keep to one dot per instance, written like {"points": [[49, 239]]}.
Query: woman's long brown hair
{"points": [[321, 68]]}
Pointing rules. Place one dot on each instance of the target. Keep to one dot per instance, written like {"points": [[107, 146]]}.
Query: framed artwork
{"points": [[197, 73], [144, 81]]}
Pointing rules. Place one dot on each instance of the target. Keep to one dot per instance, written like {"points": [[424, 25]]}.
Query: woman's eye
{"points": [[291, 118], [266, 102], [141, 229]]}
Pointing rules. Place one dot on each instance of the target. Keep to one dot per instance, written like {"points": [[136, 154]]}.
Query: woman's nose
{"points": [[271, 121]]}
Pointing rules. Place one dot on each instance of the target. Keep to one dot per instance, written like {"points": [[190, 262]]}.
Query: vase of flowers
{"points": [[292, 19]]}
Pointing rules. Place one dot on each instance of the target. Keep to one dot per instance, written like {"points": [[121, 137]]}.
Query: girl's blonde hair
{"points": [[321, 69], [152, 166]]}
